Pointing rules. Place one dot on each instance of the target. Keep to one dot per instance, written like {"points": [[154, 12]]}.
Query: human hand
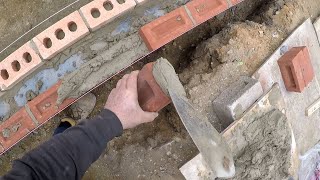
{"points": [[123, 101]]}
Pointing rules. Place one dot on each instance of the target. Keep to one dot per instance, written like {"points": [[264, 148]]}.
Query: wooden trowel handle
{"points": [[150, 95]]}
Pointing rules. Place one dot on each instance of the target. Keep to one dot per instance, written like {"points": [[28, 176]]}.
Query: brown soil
{"points": [[208, 59]]}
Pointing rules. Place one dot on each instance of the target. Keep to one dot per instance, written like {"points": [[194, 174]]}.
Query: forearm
{"points": [[69, 155]]}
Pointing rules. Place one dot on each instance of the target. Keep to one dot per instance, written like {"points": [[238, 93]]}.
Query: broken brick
{"points": [[296, 69], [15, 128], [45, 106], [166, 28], [203, 10], [150, 95]]}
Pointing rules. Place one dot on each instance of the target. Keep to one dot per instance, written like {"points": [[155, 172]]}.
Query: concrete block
{"points": [[166, 28], [44, 106], [61, 35], [203, 10], [100, 12], [150, 95], [18, 65], [296, 69], [236, 99], [15, 128]]}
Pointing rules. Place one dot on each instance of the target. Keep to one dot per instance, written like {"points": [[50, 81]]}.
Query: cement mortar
{"points": [[268, 151], [167, 78], [93, 72]]}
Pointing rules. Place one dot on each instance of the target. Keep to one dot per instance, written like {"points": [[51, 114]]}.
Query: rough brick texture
{"points": [[166, 28], [236, 99], [150, 95], [15, 128], [18, 65], [44, 106], [61, 35], [296, 69], [203, 10], [100, 12]]}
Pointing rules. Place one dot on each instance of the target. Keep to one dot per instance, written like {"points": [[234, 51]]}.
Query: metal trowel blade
{"points": [[210, 143]]}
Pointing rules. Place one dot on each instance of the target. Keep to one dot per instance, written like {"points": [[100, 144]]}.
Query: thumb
{"points": [[150, 116]]}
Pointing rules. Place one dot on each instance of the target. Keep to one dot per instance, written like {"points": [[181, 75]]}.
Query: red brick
{"points": [[166, 28], [296, 69], [306, 65], [150, 95], [44, 106], [18, 65], [62, 34], [102, 15], [203, 10], [15, 128], [235, 2]]}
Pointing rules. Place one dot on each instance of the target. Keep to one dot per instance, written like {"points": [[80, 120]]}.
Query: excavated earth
{"points": [[208, 59]]}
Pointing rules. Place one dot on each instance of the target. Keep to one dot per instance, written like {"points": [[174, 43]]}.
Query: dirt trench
{"points": [[208, 59]]}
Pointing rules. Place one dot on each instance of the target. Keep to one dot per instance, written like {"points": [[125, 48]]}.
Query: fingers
{"points": [[119, 83], [123, 84], [132, 81], [150, 116]]}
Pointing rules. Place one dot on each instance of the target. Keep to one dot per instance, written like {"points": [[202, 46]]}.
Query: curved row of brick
{"points": [[70, 29]]}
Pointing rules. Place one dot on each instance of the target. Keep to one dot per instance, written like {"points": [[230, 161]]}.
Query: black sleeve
{"points": [[68, 155]]}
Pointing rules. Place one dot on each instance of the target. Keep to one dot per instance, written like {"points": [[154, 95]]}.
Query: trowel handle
{"points": [[150, 95]]}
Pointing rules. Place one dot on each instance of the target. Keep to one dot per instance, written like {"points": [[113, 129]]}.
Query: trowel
{"points": [[157, 81]]}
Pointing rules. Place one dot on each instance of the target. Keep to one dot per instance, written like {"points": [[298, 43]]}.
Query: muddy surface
{"points": [[208, 59]]}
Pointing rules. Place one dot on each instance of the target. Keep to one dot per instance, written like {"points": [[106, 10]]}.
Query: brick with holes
{"points": [[61, 35], [100, 12], [166, 28], [15, 128], [203, 10], [44, 106], [18, 65]]}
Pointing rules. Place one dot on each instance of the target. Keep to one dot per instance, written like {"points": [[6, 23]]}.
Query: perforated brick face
{"points": [[61, 35]]}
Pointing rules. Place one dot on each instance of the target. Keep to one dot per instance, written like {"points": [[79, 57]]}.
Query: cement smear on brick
{"points": [[267, 153], [167, 78]]}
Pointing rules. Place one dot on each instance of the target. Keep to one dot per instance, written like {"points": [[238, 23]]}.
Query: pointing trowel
{"points": [[156, 82]]}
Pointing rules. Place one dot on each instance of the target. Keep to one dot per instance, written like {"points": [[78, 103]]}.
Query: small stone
{"points": [[162, 169], [175, 156], [168, 153]]}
